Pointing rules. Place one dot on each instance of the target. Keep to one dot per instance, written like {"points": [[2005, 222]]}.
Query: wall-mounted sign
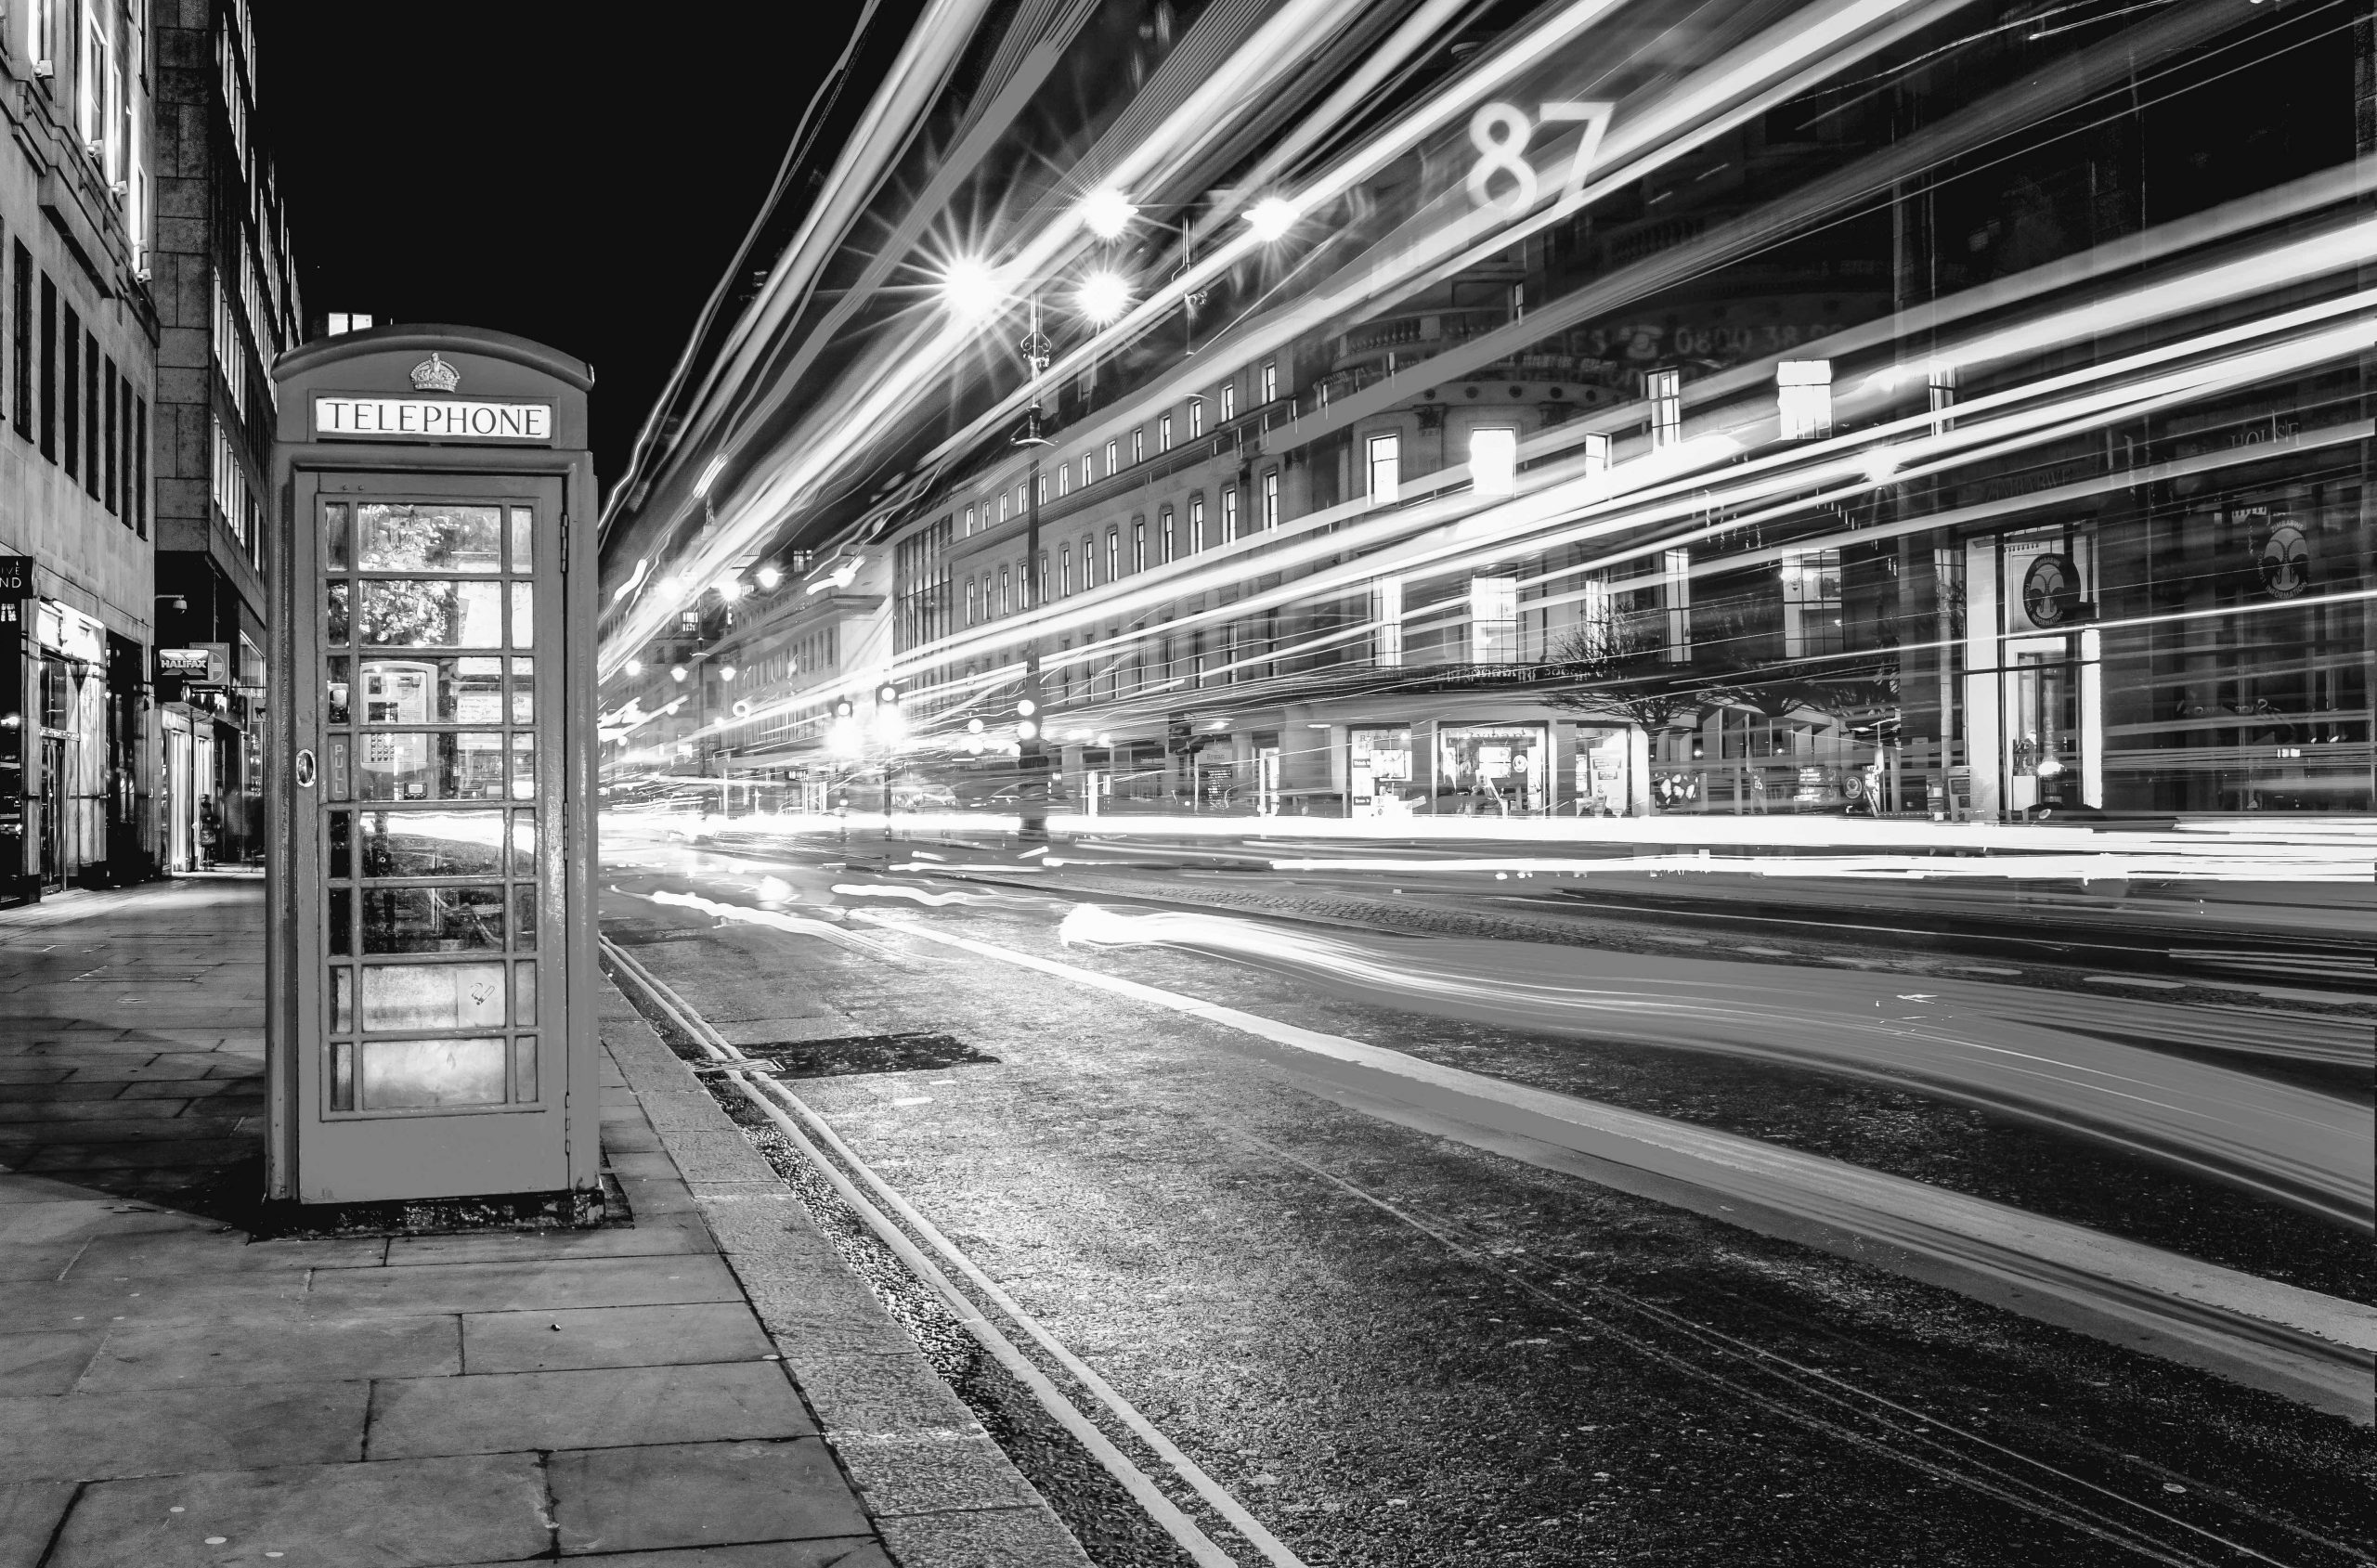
{"points": [[182, 663], [431, 419], [16, 577]]}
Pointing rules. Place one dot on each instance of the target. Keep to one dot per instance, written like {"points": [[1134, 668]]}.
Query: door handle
{"points": [[304, 769]]}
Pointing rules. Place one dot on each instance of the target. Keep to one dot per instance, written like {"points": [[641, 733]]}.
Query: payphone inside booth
{"points": [[431, 954]]}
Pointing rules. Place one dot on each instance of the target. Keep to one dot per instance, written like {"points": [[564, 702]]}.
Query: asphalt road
{"points": [[1400, 1342]]}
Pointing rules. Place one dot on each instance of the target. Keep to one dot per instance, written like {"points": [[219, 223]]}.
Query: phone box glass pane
{"points": [[523, 993], [524, 539], [334, 547], [525, 941], [459, 689], [418, 536], [342, 845], [341, 1000], [336, 601], [430, 612], [433, 919], [342, 1076], [523, 691], [336, 688], [432, 843], [342, 922], [432, 1074], [451, 765], [524, 843], [431, 996], [524, 614], [524, 767], [524, 1069]]}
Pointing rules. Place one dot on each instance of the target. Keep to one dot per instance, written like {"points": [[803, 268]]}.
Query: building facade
{"points": [[1989, 444], [225, 287], [78, 338]]}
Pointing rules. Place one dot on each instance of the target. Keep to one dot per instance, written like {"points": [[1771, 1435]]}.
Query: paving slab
{"points": [[125, 1297], [699, 1494], [165, 1431], [235, 1352], [29, 1518], [610, 1408], [632, 1336], [216, 1250], [646, 1238], [407, 1513], [46, 1363], [528, 1285]]}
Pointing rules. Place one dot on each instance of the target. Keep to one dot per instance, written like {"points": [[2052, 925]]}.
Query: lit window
{"points": [[1065, 569], [1494, 461], [973, 600], [1138, 547], [1113, 453], [1064, 479], [1271, 381], [1196, 527], [1811, 603], [1088, 470], [1229, 402], [1385, 470], [1002, 506], [1114, 554], [1271, 498], [1665, 389], [969, 520], [1089, 561], [1493, 620], [1163, 433], [1005, 601], [1138, 444], [1229, 515], [1196, 418], [1163, 525], [1803, 398]]}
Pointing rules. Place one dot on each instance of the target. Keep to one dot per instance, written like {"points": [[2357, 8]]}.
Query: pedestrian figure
{"points": [[209, 832], [1758, 791]]}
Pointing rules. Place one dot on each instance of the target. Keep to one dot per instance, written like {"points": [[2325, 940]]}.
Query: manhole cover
{"points": [[865, 1053]]}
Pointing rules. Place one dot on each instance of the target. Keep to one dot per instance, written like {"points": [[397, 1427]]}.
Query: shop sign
{"points": [[16, 578], [182, 663]]}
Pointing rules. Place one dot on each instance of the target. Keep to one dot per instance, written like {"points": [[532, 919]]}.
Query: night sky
{"points": [[577, 174]]}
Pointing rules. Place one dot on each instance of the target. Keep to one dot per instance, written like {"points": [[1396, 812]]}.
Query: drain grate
{"points": [[865, 1053]]}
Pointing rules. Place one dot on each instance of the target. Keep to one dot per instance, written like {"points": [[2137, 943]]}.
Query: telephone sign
{"points": [[433, 1024]]}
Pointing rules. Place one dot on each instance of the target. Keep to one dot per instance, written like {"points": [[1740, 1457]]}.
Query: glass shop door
{"points": [[428, 813]]}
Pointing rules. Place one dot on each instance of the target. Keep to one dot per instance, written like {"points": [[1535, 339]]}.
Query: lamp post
{"points": [[1031, 797]]}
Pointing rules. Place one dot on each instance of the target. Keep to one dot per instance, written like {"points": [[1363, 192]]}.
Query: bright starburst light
{"points": [[1107, 213], [971, 288], [1104, 297], [1271, 218]]}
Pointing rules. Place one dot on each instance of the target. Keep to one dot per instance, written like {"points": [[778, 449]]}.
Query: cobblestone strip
{"points": [[942, 1492]]}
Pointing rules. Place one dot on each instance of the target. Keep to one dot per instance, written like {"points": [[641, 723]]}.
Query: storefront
{"points": [[1379, 773], [1608, 782], [1493, 769]]}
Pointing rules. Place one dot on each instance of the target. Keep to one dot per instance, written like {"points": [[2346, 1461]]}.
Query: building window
{"points": [[109, 437], [71, 377], [973, 600], [1803, 398], [1196, 527], [1113, 452], [1163, 433], [1494, 461], [1089, 561], [1139, 444], [1064, 479], [1229, 401], [141, 465], [1196, 418], [1065, 569], [1002, 506], [1493, 620], [1665, 389], [1043, 489], [1004, 598], [48, 368], [1271, 381], [1040, 596], [1138, 545], [1386, 453], [23, 313], [1114, 554], [1271, 498], [91, 416], [1229, 515], [1811, 603], [970, 522]]}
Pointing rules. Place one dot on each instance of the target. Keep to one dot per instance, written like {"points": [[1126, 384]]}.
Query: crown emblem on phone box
{"points": [[434, 374]]}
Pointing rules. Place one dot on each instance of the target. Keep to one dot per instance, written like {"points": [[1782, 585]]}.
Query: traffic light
{"points": [[844, 709]]}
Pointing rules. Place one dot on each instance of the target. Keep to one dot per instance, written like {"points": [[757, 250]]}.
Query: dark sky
{"points": [[580, 175]]}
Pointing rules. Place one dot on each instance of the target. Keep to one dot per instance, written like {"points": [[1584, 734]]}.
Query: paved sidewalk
{"points": [[172, 1394]]}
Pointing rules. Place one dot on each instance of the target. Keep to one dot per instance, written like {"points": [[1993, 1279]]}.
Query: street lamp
{"points": [[972, 289], [1108, 213], [1103, 297], [769, 577], [1271, 218]]}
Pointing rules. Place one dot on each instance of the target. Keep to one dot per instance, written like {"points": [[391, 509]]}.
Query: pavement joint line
{"points": [[2037, 1252], [1192, 1540]]}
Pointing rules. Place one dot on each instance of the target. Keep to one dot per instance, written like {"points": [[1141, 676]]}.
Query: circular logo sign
{"points": [[2285, 562], [2050, 589]]}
